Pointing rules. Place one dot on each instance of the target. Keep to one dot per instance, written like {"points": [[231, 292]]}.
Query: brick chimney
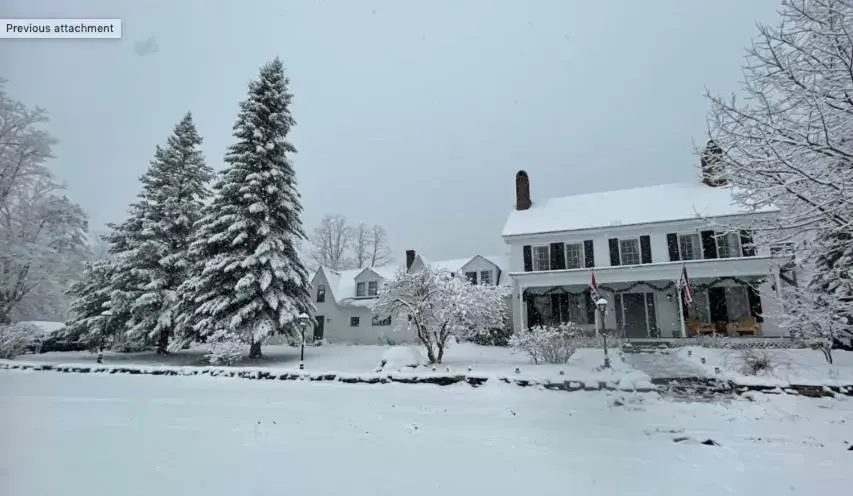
{"points": [[410, 258], [522, 191]]}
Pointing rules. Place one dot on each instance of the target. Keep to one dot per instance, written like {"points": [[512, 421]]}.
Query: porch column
{"points": [[522, 309]]}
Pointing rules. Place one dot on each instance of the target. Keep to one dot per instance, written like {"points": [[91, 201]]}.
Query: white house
{"points": [[343, 299], [637, 241]]}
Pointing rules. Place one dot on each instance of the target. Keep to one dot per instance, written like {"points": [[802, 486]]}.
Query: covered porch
{"points": [[731, 305]]}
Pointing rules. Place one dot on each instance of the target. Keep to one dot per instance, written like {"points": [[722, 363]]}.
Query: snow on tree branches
{"points": [[437, 306], [248, 282], [789, 144]]}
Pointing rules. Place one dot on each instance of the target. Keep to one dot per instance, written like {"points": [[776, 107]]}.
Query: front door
{"points": [[634, 308], [318, 329]]}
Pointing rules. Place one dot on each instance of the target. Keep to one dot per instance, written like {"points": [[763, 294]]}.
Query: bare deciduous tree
{"points": [[330, 242], [789, 144], [361, 243], [380, 252]]}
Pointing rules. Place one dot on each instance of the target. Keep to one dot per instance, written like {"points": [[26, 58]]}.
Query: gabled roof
{"points": [[650, 204], [456, 264], [342, 282]]}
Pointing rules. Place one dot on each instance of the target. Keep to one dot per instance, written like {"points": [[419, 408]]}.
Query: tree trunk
{"points": [[255, 350], [163, 342], [440, 347]]}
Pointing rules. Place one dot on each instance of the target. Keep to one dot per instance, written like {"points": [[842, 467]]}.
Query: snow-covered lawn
{"points": [[790, 366], [488, 360], [92, 435]]}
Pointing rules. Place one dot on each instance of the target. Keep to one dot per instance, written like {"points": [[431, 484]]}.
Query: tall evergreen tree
{"points": [[249, 282], [91, 323], [174, 191]]}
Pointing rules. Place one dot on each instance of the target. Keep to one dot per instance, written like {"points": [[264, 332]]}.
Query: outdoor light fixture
{"points": [[303, 319], [601, 304]]}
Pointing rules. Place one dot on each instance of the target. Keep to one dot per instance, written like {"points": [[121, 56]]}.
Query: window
{"points": [[381, 322], [728, 245], [577, 309], [541, 258], [486, 277], [321, 293], [354, 321], [471, 276], [360, 289], [574, 256], [689, 247], [372, 288], [629, 251]]}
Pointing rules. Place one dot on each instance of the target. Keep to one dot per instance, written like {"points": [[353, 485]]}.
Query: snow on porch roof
{"points": [[660, 203]]}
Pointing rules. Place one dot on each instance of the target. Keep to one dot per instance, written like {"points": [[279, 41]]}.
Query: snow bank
{"points": [[788, 366], [398, 357]]}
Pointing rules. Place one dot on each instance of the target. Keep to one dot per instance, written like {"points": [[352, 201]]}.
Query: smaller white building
{"points": [[344, 299]]}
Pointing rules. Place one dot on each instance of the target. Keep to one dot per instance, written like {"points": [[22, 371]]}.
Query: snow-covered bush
{"points": [[756, 362], [226, 351], [549, 344], [439, 305], [14, 339]]}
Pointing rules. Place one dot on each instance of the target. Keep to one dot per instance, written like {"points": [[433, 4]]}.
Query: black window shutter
{"points": [[746, 243], [645, 249], [672, 244], [709, 245], [555, 309], [588, 254], [528, 259], [564, 307], [755, 303], [614, 251], [558, 256], [590, 307]]}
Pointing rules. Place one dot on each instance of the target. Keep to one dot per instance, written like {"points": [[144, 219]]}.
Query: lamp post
{"points": [[303, 319], [601, 303]]}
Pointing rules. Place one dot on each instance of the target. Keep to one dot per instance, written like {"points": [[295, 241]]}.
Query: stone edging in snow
{"points": [[684, 386]]}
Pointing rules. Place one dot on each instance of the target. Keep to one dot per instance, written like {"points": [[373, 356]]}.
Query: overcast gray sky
{"points": [[412, 114]]}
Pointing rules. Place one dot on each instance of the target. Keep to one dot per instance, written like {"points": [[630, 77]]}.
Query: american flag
{"points": [[684, 284], [593, 285]]}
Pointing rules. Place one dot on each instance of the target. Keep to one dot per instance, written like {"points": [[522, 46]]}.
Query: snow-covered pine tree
{"points": [[173, 194], [91, 323], [249, 282], [125, 285]]}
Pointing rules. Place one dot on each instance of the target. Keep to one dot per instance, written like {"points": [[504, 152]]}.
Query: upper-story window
{"points": [[472, 277], [372, 288], [360, 289], [541, 258], [728, 245], [690, 246], [574, 255], [486, 277], [321, 293], [629, 251]]}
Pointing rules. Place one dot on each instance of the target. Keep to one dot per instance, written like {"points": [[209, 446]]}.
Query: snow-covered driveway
{"points": [[72, 434]]}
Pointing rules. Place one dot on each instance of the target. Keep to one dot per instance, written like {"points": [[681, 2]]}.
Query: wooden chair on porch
{"points": [[746, 327]]}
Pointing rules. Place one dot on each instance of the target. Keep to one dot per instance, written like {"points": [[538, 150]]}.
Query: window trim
{"points": [[355, 321], [678, 236], [533, 257], [377, 322], [622, 252], [581, 254], [489, 277], [363, 285], [718, 237], [375, 291]]}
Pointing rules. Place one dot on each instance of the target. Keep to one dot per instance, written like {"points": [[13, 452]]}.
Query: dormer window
{"points": [[372, 288], [321, 293], [472, 277], [486, 277], [360, 289]]}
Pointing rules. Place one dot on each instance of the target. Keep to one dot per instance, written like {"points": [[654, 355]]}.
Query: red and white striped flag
{"points": [[684, 284], [593, 286]]}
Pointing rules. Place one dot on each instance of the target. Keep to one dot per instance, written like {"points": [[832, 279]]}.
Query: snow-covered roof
{"points": [[342, 282], [661, 203], [455, 264]]}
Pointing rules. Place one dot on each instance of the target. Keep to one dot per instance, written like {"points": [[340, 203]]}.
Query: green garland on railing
{"points": [[670, 285]]}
